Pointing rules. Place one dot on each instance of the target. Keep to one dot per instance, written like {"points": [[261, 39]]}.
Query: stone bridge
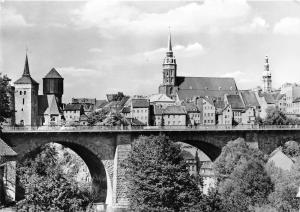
{"points": [[103, 151]]}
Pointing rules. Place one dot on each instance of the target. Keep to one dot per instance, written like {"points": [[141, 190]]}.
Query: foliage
{"points": [[275, 117], [47, 186], [106, 118], [232, 154], [291, 149], [286, 187], [5, 110], [248, 185], [241, 177], [158, 179]]}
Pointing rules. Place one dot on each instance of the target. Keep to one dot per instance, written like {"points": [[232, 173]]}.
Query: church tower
{"points": [[267, 77], [169, 72], [26, 98]]}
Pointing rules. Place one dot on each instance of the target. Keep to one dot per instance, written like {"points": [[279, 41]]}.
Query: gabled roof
{"points": [[269, 98], [53, 74], [47, 104], [235, 101], [6, 150], [83, 117], [249, 98], [176, 110], [296, 100], [72, 107], [100, 103], [280, 159], [140, 103], [219, 104], [160, 98], [190, 87]]}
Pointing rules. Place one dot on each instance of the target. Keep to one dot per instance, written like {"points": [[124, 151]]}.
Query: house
{"points": [[225, 116], [49, 111], [237, 106], [191, 161], [157, 116], [161, 99], [265, 100], [250, 101], [140, 110], [174, 116], [8, 159], [193, 114], [83, 120], [72, 113], [207, 110]]}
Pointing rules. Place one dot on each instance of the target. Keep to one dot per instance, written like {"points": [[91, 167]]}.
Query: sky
{"points": [[102, 47]]}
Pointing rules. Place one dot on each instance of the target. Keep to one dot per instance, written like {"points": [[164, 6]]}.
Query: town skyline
{"points": [[96, 63]]}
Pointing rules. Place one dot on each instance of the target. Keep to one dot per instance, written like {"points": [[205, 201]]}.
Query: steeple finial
{"points": [[169, 41], [26, 66]]}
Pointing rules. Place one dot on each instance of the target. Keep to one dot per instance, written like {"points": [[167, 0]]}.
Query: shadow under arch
{"points": [[95, 166], [210, 150]]}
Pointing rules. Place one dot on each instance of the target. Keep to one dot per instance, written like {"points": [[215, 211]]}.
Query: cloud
{"points": [[234, 74], [209, 16], [188, 51], [257, 25], [95, 50], [10, 18], [287, 26], [79, 71]]}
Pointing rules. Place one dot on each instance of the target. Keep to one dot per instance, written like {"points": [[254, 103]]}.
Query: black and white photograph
{"points": [[150, 105]]}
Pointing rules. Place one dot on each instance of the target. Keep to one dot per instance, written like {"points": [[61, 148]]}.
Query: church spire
{"points": [[170, 43], [26, 67]]}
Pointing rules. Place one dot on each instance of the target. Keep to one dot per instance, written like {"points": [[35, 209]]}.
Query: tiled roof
{"points": [[72, 107], [53, 74], [190, 87], [249, 98], [126, 110], [47, 104], [269, 98], [191, 107], [219, 104], [83, 100], [179, 110], [26, 80], [296, 100], [100, 103], [6, 150], [160, 98], [235, 101], [140, 103], [136, 122]]}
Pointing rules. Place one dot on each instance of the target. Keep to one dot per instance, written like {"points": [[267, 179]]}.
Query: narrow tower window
{"points": [[24, 92], [20, 92], [23, 101]]}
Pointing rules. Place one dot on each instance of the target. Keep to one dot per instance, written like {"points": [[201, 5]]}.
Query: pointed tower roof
{"points": [[170, 43], [26, 67], [53, 74], [26, 78]]}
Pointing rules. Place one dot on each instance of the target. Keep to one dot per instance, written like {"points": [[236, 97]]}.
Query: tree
{"points": [[241, 177], [291, 149], [232, 154], [47, 186], [5, 110], [275, 117], [286, 188], [247, 186], [158, 179]]}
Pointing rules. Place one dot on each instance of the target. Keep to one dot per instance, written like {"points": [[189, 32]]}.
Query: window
{"points": [[24, 92], [23, 101], [20, 92]]}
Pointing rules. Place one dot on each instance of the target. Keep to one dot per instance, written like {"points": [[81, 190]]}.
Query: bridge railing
{"points": [[147, 128]]}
